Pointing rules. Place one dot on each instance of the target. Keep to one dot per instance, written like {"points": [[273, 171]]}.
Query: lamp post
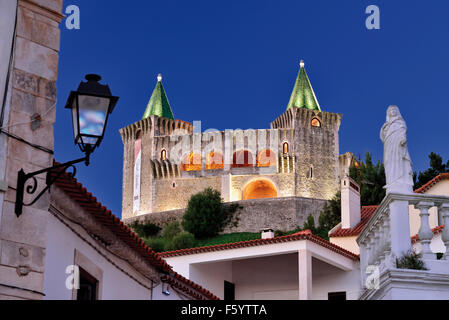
{"points": [[91, 105]]}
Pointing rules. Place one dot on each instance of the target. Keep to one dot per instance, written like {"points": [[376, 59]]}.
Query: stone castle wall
{"points": [[175, 194], [310, 167], [279, 214]]}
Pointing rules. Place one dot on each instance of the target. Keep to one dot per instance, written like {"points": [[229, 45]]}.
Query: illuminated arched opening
{"points": [[214, 161], [266, 158], [164, 155], [285, 147], [316, 123], [192, 162], [242, 159], [259, 189]]}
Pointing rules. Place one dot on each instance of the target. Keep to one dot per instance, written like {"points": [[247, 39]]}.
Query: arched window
{"points": [[285, 148], [266, 158], [316, 123], [163, 155], [214, 161], [242, 159], [192, 162]]}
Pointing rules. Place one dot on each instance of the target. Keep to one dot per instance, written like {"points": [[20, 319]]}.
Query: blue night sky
{"points": [[233, 64]]}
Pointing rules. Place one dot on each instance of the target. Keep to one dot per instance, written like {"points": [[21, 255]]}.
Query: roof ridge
{"points": [[237, 245], [432, 182]]}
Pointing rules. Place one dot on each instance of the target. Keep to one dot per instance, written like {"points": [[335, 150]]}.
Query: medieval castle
{"points": [[279, 175]]}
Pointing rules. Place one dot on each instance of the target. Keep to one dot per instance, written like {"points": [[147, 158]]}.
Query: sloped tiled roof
{"points": [[90, 204], [186, 285], [303, 235], [434, 181], [366, 214]]}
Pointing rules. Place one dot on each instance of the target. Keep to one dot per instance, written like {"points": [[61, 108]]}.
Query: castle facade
{"points": [[297, 159]]}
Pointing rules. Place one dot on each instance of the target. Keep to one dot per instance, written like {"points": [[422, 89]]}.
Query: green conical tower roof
{"points": [[159, 105], [303, 95]]}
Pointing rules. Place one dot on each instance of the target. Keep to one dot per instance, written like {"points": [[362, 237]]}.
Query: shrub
{"points": [[157, 244], [145, 230], [181, 241], [171, 229], [206, 215], [410, 260]]}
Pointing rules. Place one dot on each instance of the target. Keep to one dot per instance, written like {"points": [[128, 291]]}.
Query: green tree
{"points": [[309, 224], [145, 230], [436, 167], [206, 214], [182, 240], [371, 179], [331, 214], [329, 217], [157, 244], [171, 229]]}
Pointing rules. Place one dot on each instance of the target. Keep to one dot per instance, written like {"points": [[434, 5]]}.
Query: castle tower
{"points": [[140, 164], [315, 142]]}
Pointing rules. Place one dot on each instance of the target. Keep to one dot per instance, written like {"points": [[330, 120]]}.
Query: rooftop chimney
{"points": [[350, 203], [267, 233]]}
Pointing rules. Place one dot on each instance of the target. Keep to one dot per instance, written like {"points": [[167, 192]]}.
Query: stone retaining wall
{"points": [[278, 214]]}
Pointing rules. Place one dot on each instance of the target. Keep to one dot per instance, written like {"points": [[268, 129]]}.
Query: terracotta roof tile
{"points": [[366, 214], [434, 181], [304, 235], [77, 192], [435, 231]]}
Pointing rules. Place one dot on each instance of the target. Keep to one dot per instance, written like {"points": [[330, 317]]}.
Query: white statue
{"points": [[397, 162]]}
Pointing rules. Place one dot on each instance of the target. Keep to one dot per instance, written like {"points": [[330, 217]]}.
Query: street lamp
{"points": [[91, 105]]}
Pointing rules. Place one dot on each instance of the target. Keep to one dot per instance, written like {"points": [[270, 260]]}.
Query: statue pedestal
{"points": [[399, 228]]}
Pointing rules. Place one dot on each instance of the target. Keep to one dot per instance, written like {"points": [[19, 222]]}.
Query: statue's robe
{"points": [[397, 162]]}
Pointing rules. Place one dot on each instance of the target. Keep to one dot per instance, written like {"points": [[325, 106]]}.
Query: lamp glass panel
{"points": [[75, 120], [93, 112]]}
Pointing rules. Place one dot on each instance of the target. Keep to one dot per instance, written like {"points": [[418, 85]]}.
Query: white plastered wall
{"points": [[60, 253]]}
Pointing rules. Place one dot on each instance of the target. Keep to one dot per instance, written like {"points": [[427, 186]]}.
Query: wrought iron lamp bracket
{"points": [[50, 180]]}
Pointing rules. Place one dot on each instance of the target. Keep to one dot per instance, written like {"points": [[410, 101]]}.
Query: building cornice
{"points": [[40, 9]]}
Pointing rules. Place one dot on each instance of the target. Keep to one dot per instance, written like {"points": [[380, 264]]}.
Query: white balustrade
{"points": [[425, 233], [443, 211], [387, 234]]}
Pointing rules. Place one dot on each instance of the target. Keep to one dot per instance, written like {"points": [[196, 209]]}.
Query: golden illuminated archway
{"points": [[242, 159], [259, 189], [192, 162], [266, 158], [214, 161]]}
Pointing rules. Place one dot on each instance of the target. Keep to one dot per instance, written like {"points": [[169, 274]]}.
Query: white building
{"points": [[304, 266], [113, 263]]}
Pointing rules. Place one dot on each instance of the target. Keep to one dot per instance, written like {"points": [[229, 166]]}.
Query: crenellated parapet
{"points": [[155, 125]]}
